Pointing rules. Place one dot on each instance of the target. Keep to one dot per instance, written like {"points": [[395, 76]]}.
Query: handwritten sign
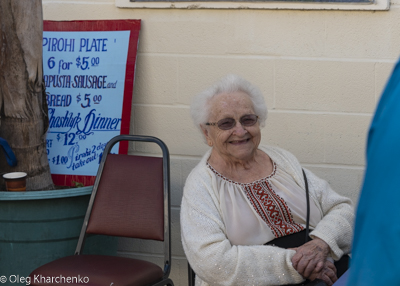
{"points": [[88, 73]]}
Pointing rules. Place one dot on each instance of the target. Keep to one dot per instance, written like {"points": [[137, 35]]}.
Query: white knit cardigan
{"points": [[217, 262]]}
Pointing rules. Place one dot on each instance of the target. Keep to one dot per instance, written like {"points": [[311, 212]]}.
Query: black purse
{"points": [[301, 237]]}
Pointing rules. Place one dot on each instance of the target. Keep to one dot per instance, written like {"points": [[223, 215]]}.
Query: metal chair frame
{"points": [[191, 276], [167, 199]]}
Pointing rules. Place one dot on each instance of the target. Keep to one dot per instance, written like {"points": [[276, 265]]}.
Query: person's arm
{"points": [[336, 226], [211, 254], [331, 237]]}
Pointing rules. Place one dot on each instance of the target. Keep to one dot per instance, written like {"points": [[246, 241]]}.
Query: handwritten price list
{"points": [[84, 74]]}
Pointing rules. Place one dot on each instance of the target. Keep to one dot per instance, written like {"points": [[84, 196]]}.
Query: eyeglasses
{"points": [[229, 123]]}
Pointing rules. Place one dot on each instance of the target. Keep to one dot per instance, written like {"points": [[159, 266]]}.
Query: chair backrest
{"points": [[131, 197], [129, 200]]}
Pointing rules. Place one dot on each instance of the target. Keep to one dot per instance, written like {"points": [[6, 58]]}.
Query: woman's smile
{"points": [[239, 142]]}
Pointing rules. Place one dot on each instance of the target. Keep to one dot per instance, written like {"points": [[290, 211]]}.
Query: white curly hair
{"points": [[200, 108]]}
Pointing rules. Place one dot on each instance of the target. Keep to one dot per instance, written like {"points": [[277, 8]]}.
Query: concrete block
{"points": [[176, 31], [353, 35], [382, 73], [155, 80], [258, 70], [394, 30], [187, 166], [325, 85], [173, 125], [176, 242], [301, 134], [85, 10], [176, 182], [345, 139], [179, 273], [278, 33], [344, 180], [319, 138], [180, 169]]}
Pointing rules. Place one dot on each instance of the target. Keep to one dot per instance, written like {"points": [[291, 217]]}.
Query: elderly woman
{"points": [[242, 196]]}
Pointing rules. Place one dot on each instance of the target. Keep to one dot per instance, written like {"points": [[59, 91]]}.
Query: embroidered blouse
{"points": [[214, 258], [258, 212]]}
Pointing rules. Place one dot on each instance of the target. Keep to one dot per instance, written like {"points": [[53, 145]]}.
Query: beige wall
{"points": [[321, 72]]}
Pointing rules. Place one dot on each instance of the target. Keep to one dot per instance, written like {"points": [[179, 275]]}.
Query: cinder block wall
{"points": [[321, 73]]}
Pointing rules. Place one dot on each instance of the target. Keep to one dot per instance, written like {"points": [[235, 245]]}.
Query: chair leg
{"points": [[191, 276]]}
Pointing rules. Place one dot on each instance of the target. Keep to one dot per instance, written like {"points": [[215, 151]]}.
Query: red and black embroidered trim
{"points": [[269, 206], [272, 209]]}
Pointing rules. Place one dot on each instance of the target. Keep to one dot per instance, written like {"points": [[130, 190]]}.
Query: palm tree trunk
{"points": [[23, 106]]}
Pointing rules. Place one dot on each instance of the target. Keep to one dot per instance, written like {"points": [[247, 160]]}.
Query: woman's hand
{"points": [[311, 257], [327, 274]]}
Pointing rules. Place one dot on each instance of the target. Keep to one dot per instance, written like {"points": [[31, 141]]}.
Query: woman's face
{"points": [[240, 142]]}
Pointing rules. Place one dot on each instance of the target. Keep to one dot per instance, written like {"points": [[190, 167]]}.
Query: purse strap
{"points": [[308, 206], [296, 239]]}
